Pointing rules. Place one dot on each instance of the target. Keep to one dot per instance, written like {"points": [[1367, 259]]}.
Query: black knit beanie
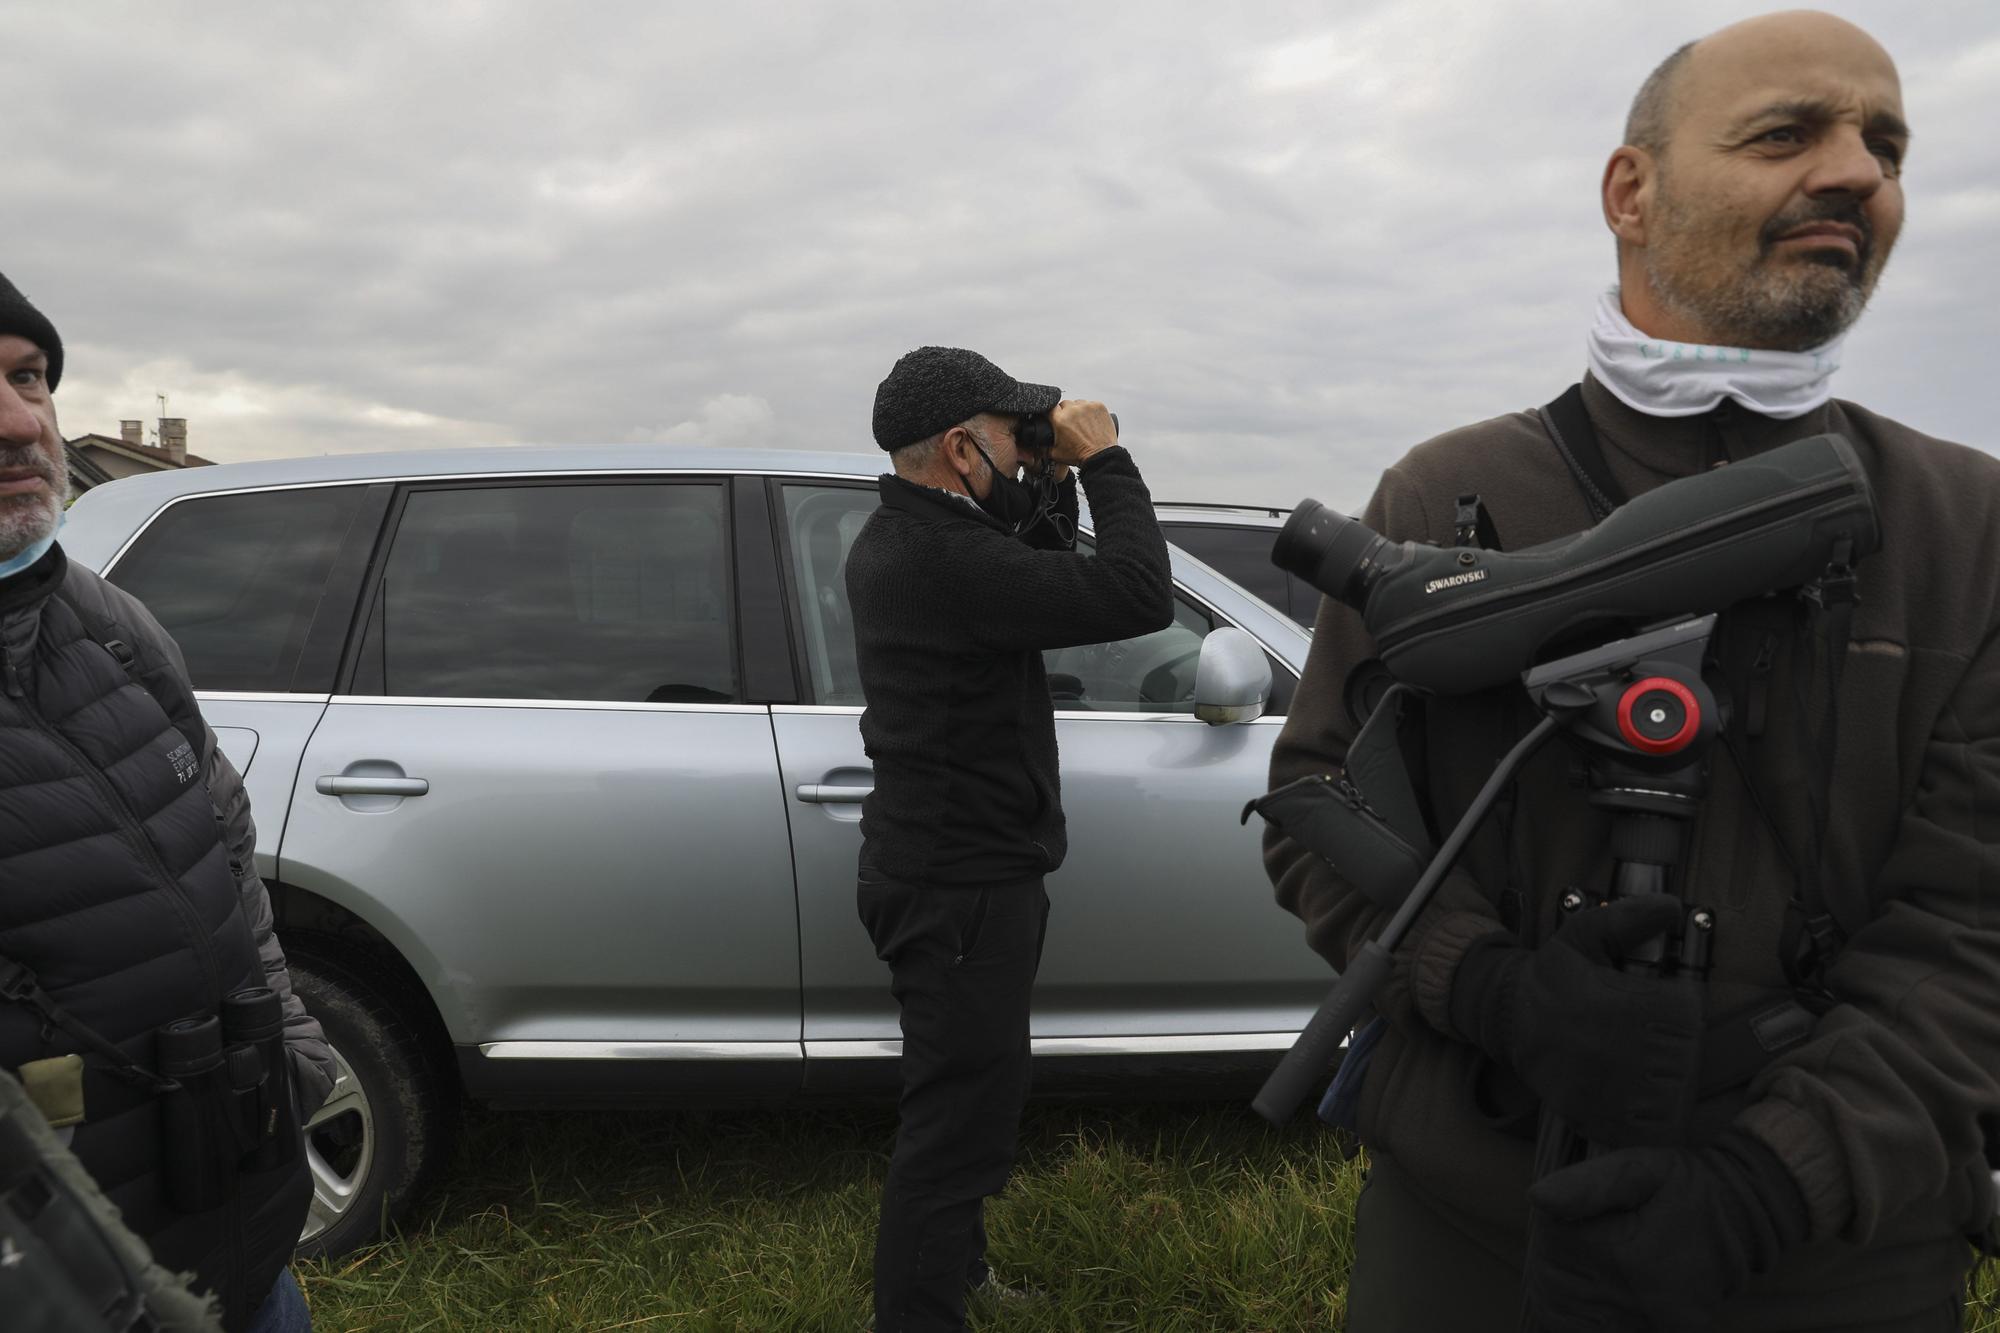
{"points": [[935, 388], [20, 318]]}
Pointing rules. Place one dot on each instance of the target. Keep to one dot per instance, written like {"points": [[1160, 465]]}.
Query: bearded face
{"points": [[1765, 285], [34, 472], [26, 518]]}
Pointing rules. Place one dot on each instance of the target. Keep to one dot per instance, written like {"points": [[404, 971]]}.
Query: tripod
{"points": [[1651, 812], [1641, 705], [1648, 736]]}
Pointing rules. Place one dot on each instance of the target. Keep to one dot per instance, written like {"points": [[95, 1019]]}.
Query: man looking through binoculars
{"points": [[1833, 1088], [959, 580]]}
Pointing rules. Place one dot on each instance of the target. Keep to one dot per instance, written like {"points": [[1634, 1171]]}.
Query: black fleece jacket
{"points": [[951, 614]]}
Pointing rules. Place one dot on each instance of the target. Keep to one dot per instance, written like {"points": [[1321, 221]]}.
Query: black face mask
{"points": [[1014, 502]]}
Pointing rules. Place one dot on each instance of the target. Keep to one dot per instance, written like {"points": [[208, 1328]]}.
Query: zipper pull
{"points": [[1351, 795], [14, 690]]}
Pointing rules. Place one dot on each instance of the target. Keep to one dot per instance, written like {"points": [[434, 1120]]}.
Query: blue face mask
{"points": [[14, 564]]}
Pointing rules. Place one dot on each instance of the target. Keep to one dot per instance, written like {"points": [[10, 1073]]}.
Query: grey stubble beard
{"points": [[27, 519], [1789, 307]]}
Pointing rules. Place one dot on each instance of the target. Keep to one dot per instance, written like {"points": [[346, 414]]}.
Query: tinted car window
{"points": [[236, 579], [1243, 555], [581, 591]]}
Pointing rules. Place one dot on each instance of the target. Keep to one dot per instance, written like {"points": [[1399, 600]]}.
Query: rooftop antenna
{"points": [[158, 441]]}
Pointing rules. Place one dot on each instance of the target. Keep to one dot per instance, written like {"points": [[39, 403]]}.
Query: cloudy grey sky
{"points": [[1284, 241]]}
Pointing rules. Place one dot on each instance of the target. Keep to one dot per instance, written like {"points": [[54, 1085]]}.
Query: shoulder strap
{"points": [[1824, 924], [1569, 428], [19, 986], [150, 671]]}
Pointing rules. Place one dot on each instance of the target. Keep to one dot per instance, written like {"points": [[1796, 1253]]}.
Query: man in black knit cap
{"points": [[958, 582], [129, 901]]}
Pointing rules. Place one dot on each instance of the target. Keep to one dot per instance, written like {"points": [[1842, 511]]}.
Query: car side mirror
{"points": [[1232, 681]]}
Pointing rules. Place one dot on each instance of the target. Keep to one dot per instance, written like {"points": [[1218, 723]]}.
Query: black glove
{"points": [[1616, 1054], [1657, 1238]]}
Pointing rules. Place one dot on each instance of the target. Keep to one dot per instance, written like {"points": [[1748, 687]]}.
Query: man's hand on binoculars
{"points": [[1082, 428], [1617, 1054], [1657, 1238]]}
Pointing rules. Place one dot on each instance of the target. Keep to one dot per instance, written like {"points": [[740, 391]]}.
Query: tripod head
{"points": [[1642, 699]]}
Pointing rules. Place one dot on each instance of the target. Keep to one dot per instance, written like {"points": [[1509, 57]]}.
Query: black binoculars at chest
{"points": [[231, 1110]]}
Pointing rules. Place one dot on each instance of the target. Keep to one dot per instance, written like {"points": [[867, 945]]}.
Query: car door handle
{"points": [[819, 793], [331, 785]]}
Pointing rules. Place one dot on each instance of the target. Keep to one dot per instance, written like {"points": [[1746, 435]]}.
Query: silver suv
{"points": [[556, 767]]}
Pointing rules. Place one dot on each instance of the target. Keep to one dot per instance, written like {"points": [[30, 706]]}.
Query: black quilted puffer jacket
{"points": [[127, 888]]}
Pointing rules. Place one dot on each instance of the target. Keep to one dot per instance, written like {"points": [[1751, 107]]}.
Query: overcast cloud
{"points": [[1283, 241]]}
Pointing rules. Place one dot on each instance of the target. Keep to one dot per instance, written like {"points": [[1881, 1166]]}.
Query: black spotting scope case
{"points": [[1696, 544], [1366, 824]]}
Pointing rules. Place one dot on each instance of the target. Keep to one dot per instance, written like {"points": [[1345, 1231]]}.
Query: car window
{"points": [[236, 580], [821, 523], [1243, 555], [574, 591], [1153, 673]]}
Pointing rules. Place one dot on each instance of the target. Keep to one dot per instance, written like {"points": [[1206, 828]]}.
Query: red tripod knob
{"points": [[1658, 715]]}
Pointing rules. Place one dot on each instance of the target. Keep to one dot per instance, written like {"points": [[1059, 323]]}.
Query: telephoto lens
{"points": [[199, 1162], [254, 1019], [1340, 556]]}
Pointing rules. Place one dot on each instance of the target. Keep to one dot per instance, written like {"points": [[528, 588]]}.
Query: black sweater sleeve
{"points": [[1028, 599]]}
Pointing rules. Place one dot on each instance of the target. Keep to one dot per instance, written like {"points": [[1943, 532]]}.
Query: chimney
{"points": [[174, 439], [132, 432]]}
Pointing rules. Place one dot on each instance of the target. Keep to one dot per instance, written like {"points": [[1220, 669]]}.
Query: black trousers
{"points": [[962, 965]]}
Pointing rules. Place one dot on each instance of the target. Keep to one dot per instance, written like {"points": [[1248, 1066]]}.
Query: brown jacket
{"points": [[1877, 1114]]}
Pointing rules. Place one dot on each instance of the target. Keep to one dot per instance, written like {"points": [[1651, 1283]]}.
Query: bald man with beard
{"points": [[1831, 1093]]}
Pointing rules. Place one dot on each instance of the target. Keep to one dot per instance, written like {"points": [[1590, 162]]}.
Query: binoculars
{"points": [[233, 1110], [1037, 434]]}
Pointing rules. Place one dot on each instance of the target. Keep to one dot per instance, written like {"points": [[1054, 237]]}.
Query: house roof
{"points": [[137, 452], [81, 468]]}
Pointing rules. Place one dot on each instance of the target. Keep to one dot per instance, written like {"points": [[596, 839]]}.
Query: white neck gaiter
{"points": [[1671, 379]]}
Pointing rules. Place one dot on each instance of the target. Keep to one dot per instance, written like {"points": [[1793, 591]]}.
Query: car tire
{"points": [[390, 1123]]}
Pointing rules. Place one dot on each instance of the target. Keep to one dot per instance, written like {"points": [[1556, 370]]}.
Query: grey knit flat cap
{"points": [[935, 388], [20, 318]]}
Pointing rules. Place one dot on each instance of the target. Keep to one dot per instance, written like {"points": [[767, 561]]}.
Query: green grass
{"points": [[1162, 1219], [1176, 1219]]}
